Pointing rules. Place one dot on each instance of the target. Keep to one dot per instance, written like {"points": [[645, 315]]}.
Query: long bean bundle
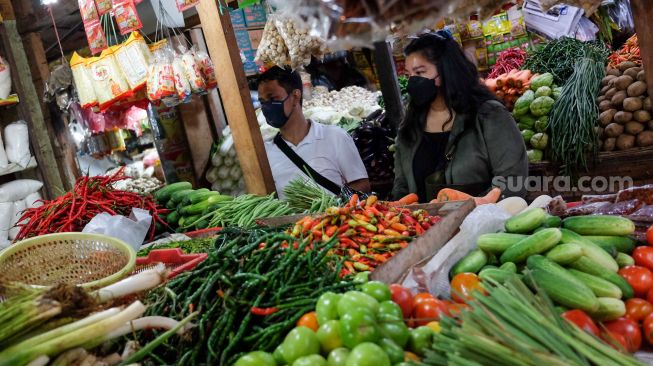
{"points": [[574, 116], [244, 210], [250, 292]]}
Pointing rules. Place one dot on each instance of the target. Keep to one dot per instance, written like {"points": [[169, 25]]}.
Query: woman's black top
{"points": [[429, 158]]}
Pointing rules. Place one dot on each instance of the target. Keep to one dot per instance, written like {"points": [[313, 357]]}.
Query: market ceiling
{"points": [[33, 17]]}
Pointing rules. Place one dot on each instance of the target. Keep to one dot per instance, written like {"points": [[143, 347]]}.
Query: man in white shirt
{"points": [[329, 150]]}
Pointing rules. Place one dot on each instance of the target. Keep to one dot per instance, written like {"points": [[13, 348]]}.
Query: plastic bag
{"points": [[103, 6], [97, 40], [5, 79], [206, 68], [133, 63], [272, 49], [126, 16], [6, 213], [131, 230], [301, 45], [192, 71], [33, 200], [589, 6], [108, 81], [17, 212], [160, 79], [17, 147], [82, 79], [3, 156], [182, 86], [484, 219], [88, 11], [622, 15], [622, 208], [18, 189]]}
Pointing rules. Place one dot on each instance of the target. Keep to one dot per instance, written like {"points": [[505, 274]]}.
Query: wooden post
{"points": [[221, 42], [389, 83], [643, 14]]}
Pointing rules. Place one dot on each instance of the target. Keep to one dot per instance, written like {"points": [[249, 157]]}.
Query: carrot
{"points": [[490, 197], [406, 200], [448, 194], [491, 84]]}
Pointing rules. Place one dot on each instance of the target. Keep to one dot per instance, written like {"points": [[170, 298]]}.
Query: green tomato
{"points": [[368, 354], [397, 331], [338, 357], [356, 299], [389, 311], [257, 358], [377, 290], [312, 360], [329, 336], [392, 349], [362, 277], [358, 326], [421, 339], [300, 342], [278, 356], [327, 307]]}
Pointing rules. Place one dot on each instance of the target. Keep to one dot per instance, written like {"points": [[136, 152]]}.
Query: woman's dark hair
{"points": [[460, 83]]}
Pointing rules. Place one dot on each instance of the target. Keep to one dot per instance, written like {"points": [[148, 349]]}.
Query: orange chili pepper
{"points": [[399, 226], [379, 258], [380, 228], [371, 200], [360, 217], [350, 267], [353, 201], [391, 232], [331, 230]]}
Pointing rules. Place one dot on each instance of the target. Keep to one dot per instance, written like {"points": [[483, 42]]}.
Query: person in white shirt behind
{"points": [[328, 150]]}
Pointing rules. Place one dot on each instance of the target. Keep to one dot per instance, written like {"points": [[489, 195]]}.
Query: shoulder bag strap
{"points": [[304, 167]]}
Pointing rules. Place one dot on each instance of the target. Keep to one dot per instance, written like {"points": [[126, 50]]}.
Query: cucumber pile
{"points": [[575, 260], [187, 205]]}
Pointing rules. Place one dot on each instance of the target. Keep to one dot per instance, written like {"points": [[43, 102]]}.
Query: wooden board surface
{"points": [[441, 209], [643, 14], [424, 247]]}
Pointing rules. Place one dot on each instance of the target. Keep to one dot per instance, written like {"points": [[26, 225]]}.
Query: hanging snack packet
{"points": [[126, 16], [97, 41], [88, 11], [103, 6], [182, 86], [192, 71], [272, 50], [206, 68], [160, 80], [82, 81], [108, 81], [132, 62], [183, 5]]}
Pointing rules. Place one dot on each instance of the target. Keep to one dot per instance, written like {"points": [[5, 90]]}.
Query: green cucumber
{"points": [[537, 243], [552, 221], [178, 196], [587, 265], [624, 260], [590, 249], [171, 205], [200, 207], [187, 199], [190, 220], [201, 196], [600, 287], [509, 266], [526, 221], [172, 218], [497, 243], [560, 285], [163, 194], [564, 254], [609, 309], [623, 244], [599, 225], [495, 275], [472, 262], [202, 224]]}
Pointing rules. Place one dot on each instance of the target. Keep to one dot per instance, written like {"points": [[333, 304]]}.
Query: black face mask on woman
{"points": [[422, 90]]}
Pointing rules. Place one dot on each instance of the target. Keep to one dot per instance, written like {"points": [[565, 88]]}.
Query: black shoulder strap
{"points": [[304, 167]]}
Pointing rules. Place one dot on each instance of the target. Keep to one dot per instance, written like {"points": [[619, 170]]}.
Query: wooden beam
{"points": [[39, 18], [198, 132], [221, 42], [643, 14], [389, 84], [30, 108]]}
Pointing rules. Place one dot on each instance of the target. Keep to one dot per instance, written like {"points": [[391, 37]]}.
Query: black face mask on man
{"points": [[274, 113], [422, 90]]}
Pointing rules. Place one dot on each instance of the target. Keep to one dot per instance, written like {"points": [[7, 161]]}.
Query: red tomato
{"points": [[421, 297], [649, 235], [615, 340], [456, 309], [649, 296], [429, 310], [638, 309], [463, 285], [403, 298], [580, 319], [643, 256], [629, 329], [640, 278], [647, 328]]}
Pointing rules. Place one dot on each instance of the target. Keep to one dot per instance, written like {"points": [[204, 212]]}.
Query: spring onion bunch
{"points": [[306, 196]]}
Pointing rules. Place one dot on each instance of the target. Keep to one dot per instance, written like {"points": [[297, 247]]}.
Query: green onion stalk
{"points": [[304, 195]]}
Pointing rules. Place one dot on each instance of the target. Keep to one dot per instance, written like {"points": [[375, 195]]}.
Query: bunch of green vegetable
{"points": [[250, 292], [195, 245], [306, 196], [559, 57], [243, 211], [576, 264], [512, 326], [532, 113], [574, 116]]}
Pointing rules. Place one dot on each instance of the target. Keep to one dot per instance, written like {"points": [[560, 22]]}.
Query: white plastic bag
{"points": [[18, 208], [131, 230], [3, 155], [6, 213], [5, 79], [18, 189], [33, 200], [17, 146], [484, 219]]}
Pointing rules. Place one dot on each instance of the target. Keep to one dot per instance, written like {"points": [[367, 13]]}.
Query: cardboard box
{"points": [[242, 39], [255, 16], [255, 37], [238, 19]]}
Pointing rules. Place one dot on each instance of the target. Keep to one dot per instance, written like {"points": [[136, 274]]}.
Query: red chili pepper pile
{"points": [[509, 59], [369, 232], [90, 196], [628, 52]]}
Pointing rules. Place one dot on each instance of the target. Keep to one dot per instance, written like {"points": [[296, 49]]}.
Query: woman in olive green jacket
{"points": [[455, 133]]}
